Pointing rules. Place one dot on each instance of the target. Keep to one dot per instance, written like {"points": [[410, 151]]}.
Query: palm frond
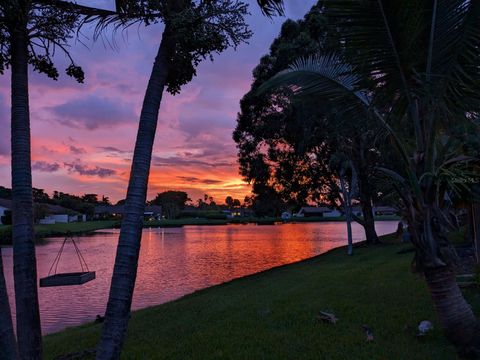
{"points": [[393, 175], [369, 31], [455, 58], [271, 7], [331, 78], [324, 75]]}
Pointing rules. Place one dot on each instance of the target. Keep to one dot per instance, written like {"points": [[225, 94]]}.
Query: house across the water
{"points": [[45, 213], [314, 211], [326, 212], [116, 211], [5, 206]]}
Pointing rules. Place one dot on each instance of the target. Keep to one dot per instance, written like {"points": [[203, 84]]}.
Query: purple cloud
{"points": [[180, 161], [192, 179], [86, 170], [111, 149], [214, 125], [210, 181], [92, 112], [189, 179], [77, 150], [44, 166]]}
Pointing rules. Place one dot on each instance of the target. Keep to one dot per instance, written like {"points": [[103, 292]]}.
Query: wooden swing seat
{"points": [[64, 279], [68, 278]]}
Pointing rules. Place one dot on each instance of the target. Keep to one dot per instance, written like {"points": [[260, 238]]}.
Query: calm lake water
{"points": [[175, 262]]}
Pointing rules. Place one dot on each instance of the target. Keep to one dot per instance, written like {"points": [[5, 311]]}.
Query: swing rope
{"points": [[83, 263]]}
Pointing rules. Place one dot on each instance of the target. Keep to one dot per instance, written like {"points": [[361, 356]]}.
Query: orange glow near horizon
{"points": [[83, 135]]}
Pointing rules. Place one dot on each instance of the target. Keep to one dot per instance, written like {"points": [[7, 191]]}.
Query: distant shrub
{"points": [[203, 214], [216, 216]]}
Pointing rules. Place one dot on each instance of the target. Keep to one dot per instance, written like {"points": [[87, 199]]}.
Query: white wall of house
{"points": [[332, 213], [60, 219], [47, 221], [2, 212], [73, 218]]}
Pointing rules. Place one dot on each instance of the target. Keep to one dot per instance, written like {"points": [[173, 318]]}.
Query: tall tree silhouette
{"points": [[193, 30], [412, 65]]}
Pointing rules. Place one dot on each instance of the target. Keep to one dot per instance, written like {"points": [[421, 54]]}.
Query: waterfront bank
{"points": [[272, 315]]}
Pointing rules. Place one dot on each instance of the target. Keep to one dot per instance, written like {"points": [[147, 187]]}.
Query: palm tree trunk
{"points": [[8, 346], [25, 266], [455, 314], [126, 261]]}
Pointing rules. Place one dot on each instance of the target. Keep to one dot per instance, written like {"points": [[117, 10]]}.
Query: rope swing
{"points": [[69, 278]]}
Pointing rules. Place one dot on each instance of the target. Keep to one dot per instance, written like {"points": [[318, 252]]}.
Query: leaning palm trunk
{"points": [[25, 266], [8, 349], [126, 261], [435, 258], [455, 314]]}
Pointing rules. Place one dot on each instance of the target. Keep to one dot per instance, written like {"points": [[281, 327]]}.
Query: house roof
{"points": [[314, 209], [6, 203], [51, 208], [384, 208], [119, 209]]}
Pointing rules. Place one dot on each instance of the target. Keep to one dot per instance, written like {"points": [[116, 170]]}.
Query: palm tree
{"points": [[25, 267], [126, 260], [30, 32], [223, 26], [414, 66], [8, 346]]}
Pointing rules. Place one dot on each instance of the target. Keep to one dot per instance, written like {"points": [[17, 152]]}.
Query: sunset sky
{"points": [[83, 134]]}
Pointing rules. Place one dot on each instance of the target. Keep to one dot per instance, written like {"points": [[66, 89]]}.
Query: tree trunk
{"points": [[455, 314], [8, 346], [126, 261], [348, 214], [369, 222], [365, 191], [25, 266], [475, 222]]}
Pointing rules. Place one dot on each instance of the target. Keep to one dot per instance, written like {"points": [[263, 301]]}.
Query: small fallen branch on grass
{"points": [[327, 317]]}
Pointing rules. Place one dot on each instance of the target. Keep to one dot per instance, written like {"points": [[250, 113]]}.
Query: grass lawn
{"points": [[271, 315]]}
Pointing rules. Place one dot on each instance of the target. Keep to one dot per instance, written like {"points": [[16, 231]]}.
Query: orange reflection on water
{"points": [[177, 261]]}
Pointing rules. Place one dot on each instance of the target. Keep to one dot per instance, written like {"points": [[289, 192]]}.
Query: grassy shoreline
{"points": [[42, 231], [271, 315]]}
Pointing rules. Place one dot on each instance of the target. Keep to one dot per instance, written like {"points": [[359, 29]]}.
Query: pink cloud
{"points": [[97, 121]]}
